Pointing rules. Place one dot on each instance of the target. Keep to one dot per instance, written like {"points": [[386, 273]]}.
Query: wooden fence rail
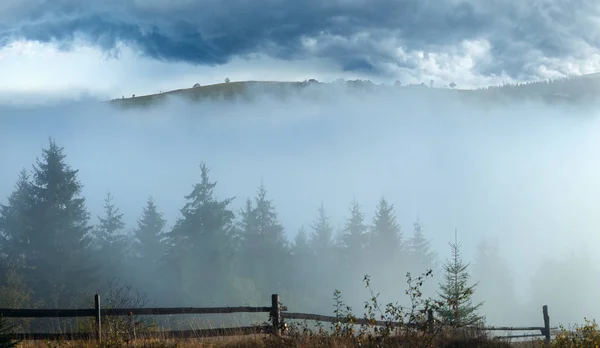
{"points": [[277, 314], [98, 313], [545, 331]]}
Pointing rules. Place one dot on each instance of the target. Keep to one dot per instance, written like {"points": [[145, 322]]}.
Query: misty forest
{"points": [[55, 253], [225, 202]]}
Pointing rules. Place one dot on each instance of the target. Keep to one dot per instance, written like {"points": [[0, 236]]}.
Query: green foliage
{"points": [[587, 335], [455, 304]]}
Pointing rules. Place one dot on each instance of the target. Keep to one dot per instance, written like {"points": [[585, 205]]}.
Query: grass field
{"points": [[270, 342]]}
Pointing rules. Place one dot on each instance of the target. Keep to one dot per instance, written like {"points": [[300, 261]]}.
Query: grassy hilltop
{"points": [[578, 89]]}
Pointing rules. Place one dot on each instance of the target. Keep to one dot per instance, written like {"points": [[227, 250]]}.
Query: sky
{"points": [[108, 48]]}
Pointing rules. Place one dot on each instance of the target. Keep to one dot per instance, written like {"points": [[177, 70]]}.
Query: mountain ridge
{"points": [[580, 88]]}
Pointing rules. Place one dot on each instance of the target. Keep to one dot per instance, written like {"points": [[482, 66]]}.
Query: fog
{"points": [[522, 176]]}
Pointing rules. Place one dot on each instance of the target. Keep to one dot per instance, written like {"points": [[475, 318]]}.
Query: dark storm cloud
{"points": [[520, 34]]}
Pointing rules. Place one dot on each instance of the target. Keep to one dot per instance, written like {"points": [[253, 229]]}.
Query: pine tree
{"points": [[15, 220], [150, 235], [386, 255], [149, 245], [455, 297], [321, 237], [202, 243], [354, 237], [303, 277], [386, 236], [264, 251], [107, 231], [58, 232], [421, 257]]}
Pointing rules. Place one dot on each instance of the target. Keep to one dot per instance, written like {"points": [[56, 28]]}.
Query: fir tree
{"points": [[321, 237], [58, 232], [202, 243], [456, 308], [150, 235], [149, 249], [385, 245], [386, 236], [264, 250], [421, 257], [111, 243], [16, 220], [107, 231], [354, 234]]}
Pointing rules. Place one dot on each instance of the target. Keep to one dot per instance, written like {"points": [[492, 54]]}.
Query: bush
{"points": [[583, 336]]}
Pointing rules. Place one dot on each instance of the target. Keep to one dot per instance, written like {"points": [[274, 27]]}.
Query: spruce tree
{"points": [[202, 243], [386, 236], [386, 254], [264, 250], [303, 275], [421, 257], [321, 243], [149, 245], [354, 237], [109, 226], [58, 232], [111, 242], [455, 297], [321, 237], [352, 252], [16, 219]]}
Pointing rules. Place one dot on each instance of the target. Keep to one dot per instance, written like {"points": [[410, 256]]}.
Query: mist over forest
{"points": [[223, 203]]}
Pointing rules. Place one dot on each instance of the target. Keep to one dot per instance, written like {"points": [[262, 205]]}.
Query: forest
{"points": [[56, 254]]}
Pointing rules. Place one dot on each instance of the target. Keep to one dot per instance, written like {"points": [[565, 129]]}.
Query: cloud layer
{"points": [[510, 39]]}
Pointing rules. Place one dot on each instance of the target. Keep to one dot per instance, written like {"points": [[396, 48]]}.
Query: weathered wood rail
{"points": [[98, 313], [545, 331], [277, 314]]}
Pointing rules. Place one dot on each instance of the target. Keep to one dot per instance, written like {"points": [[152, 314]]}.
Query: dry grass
{"points": [[264, 341]]}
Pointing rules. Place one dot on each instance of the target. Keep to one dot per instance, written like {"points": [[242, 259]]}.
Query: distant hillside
{"points": [[230, 90], [579, 89]]}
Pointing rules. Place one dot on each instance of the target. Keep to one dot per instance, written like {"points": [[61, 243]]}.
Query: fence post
{"points": [[98, 318], [275, 314], [546, 325], [430, 320]]}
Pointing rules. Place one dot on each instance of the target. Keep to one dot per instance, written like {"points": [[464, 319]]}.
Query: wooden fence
{"points": [[277, 314], [545, 331], [98, 313]]}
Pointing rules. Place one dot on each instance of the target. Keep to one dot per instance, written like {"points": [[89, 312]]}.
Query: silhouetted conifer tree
{"points": [[202, 244], [264, 250], [58, 232]]}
